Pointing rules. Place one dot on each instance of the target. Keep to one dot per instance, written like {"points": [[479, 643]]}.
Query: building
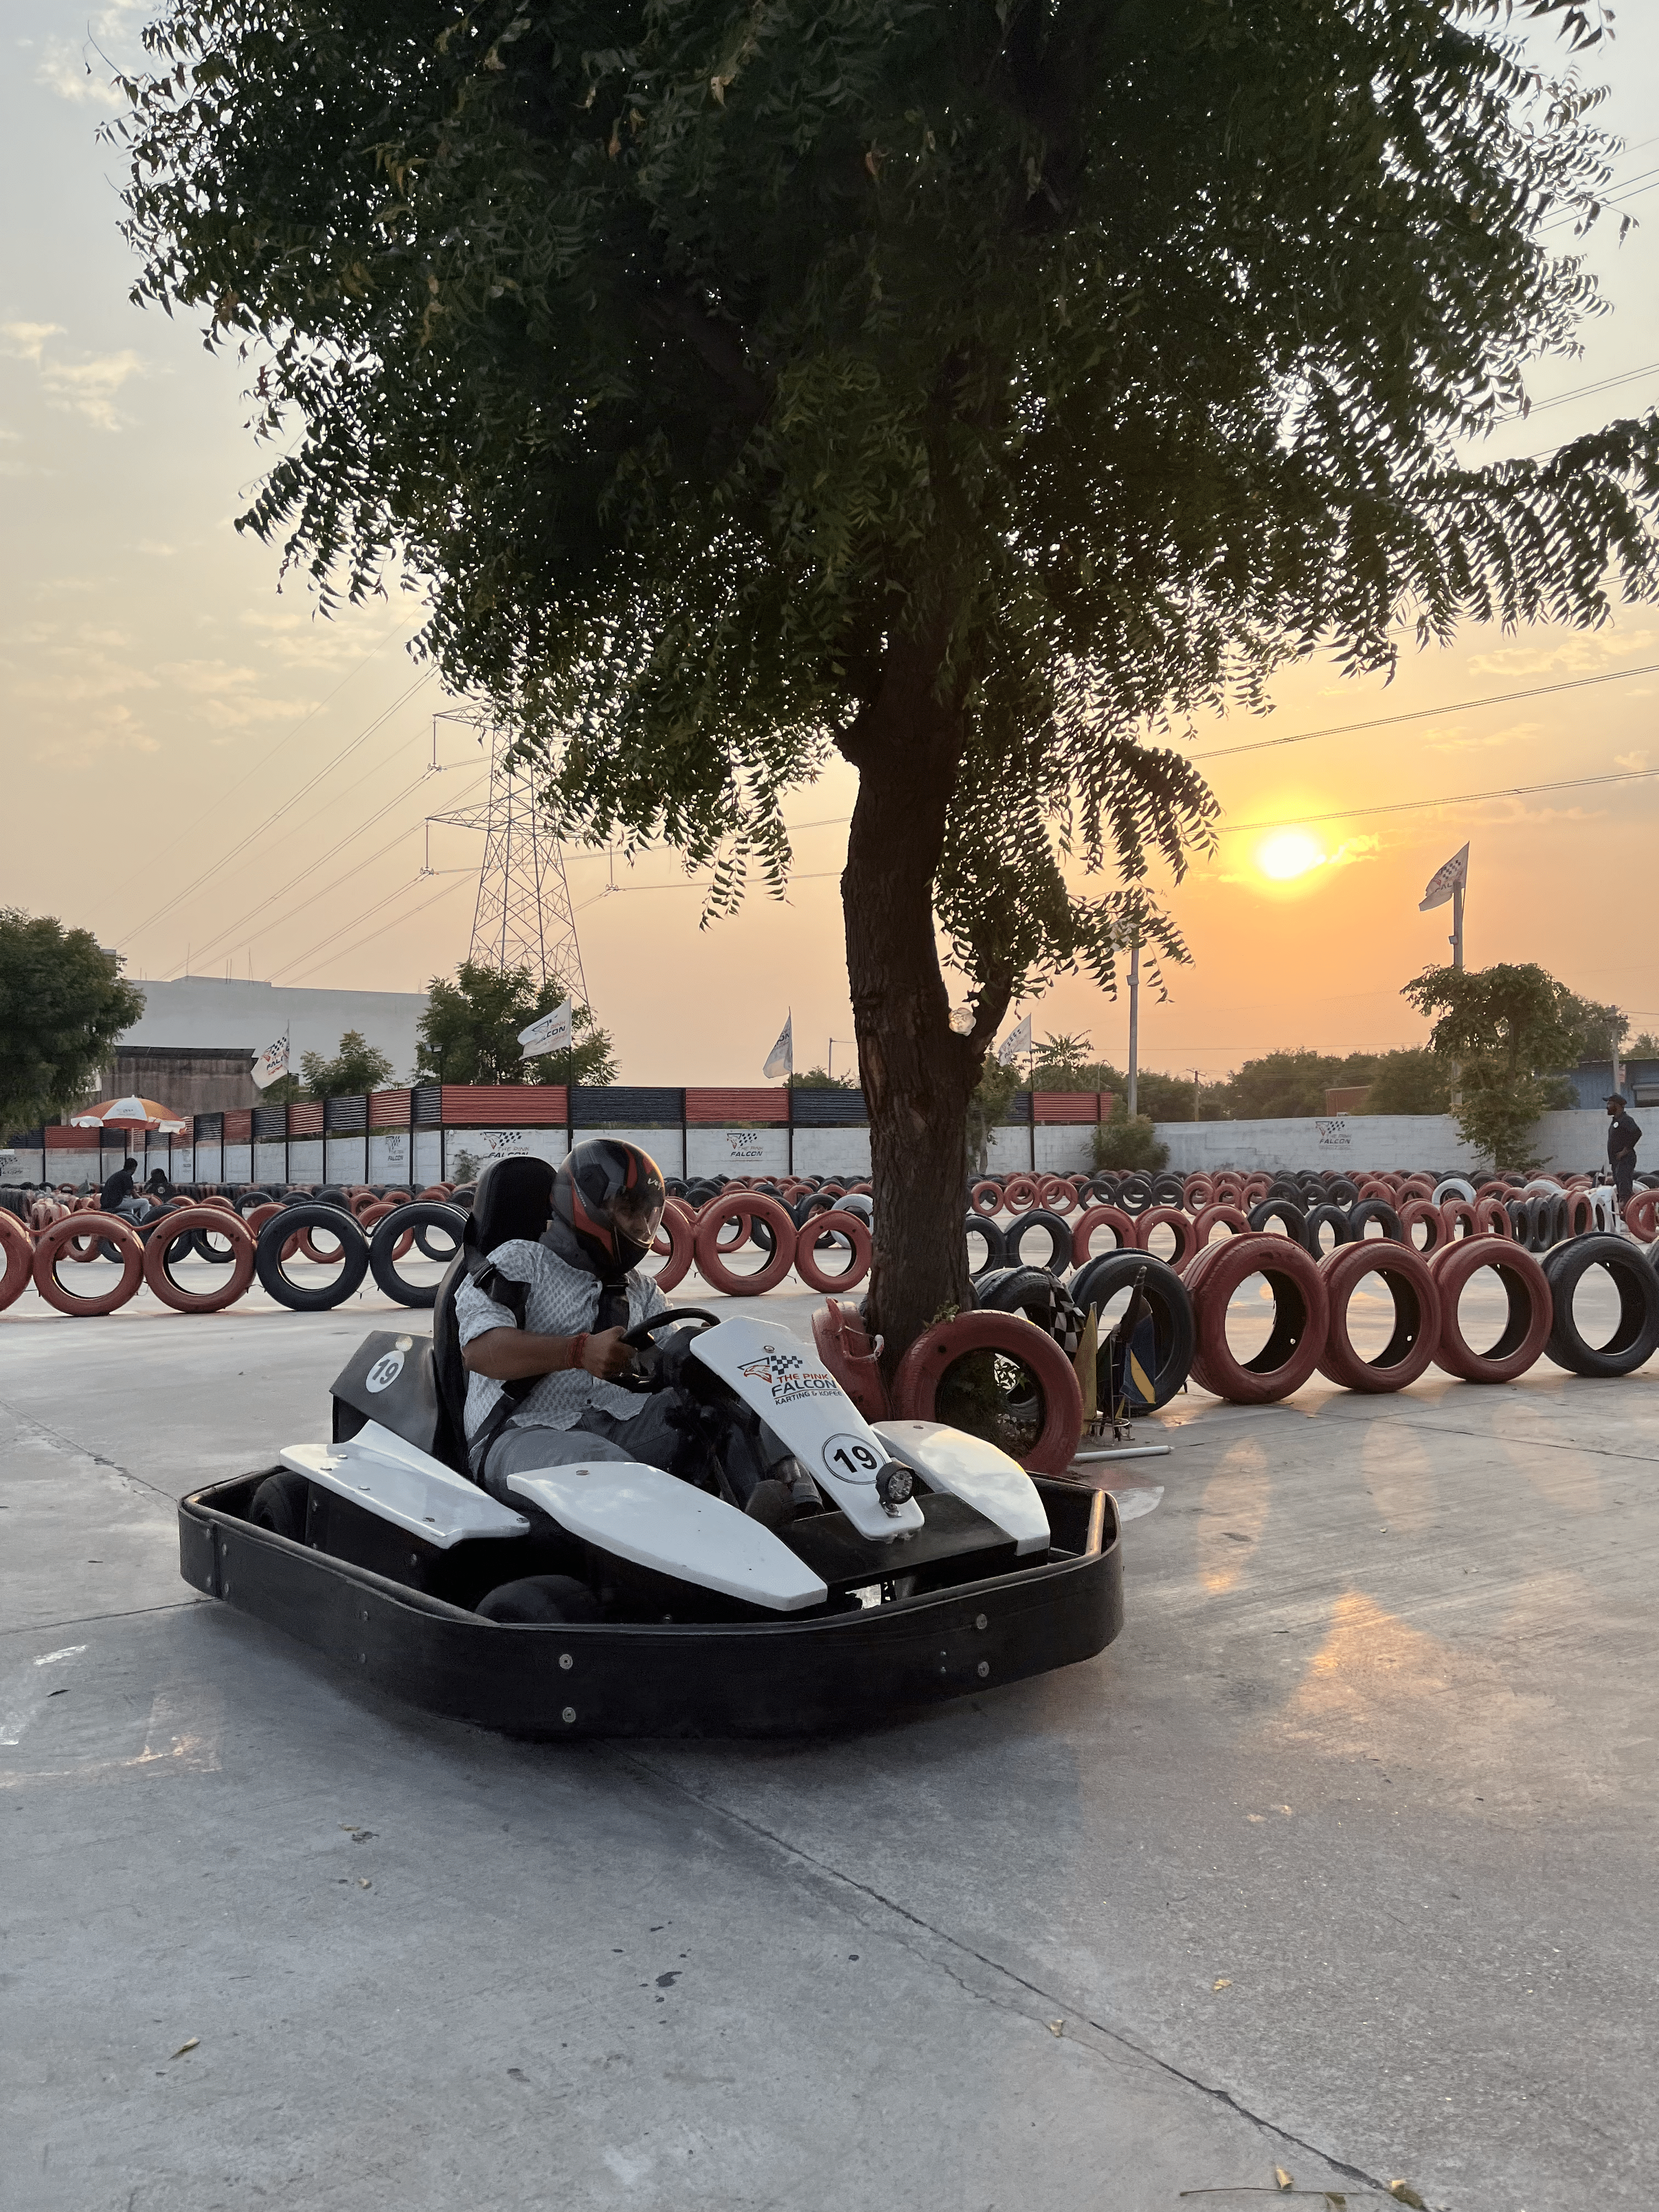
{"points": [[194, 1043]]}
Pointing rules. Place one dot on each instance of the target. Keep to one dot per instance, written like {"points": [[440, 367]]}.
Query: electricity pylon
{"points": [[523, 917]]}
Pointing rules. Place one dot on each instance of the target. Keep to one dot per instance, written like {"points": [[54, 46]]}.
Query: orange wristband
{"points": [[578, 1346]]}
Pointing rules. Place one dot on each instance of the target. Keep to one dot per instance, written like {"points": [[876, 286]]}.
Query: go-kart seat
{"points": [[514, 1198]]}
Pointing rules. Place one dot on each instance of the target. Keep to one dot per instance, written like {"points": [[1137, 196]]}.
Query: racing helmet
{"points": [[609, 1195]]}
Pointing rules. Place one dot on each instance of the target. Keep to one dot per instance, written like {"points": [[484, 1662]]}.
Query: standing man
{"points": [[1623, 1137]]}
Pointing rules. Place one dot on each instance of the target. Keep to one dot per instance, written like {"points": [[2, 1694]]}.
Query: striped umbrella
{"points": [[128, 1114]]}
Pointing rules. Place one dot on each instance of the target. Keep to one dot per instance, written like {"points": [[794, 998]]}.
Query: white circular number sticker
{"points": [[385, 1371], [851, 1460]]}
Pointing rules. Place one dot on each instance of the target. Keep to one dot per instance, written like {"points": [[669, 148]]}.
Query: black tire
{"points": [[1326, 1216], [280, 1504], [247, 1199], [268, 1256], [388, 1234], [202, 1243], [1173, 1331], [1374, 1209], [1636, 1338], [1038, 1297], [1058, 1257], [1340, 1192], [540, 1602], [1105, 1187], [1169, 1190], [1134, 1193], [1285, 1210], [996, 1245]]}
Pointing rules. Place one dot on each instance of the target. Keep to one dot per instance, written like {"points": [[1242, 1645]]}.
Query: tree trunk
{"points": [[918, 1074]]}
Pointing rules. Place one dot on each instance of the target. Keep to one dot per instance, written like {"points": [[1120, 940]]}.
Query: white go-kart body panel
{"points": [[651, 1518]]}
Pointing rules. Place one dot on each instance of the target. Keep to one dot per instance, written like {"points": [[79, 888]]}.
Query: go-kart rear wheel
{"points": [[280, 1504], [540, 1600]]}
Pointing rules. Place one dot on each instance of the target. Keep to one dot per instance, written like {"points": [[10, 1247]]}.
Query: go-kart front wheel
{"points": [[541, 1600], [279, 1504]]}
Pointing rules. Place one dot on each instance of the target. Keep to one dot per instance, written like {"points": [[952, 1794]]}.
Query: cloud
{"points": [[27, 341], [1580, 650], [224, 691], [155, 548], [1452, 739], [87, 388], [72, 72], [1637, 760]]}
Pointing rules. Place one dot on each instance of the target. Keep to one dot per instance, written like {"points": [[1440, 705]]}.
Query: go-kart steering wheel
{"points": [[642, 1381]]}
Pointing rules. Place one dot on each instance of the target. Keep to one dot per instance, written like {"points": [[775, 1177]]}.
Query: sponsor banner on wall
{"points": [[736, 1151], [1335, 1136]]}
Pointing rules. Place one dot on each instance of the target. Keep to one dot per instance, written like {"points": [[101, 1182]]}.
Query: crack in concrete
{"points": [[84, 1451], [1115, 2036], [91, 1620]]}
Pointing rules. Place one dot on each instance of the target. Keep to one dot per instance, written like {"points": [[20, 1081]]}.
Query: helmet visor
{"points": [[637, 1215]]}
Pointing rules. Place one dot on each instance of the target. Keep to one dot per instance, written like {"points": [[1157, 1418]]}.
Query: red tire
{"points": [[1491, 1219], [157, 1274], [811, 1235], [1198, 1191], [1416, 1336], [1580, 1213], [1170, 1217], [916, 1385], [1532, 1309], [1641, 1214], [1302, 1311], [1414, 1210], [17, 1246], [1217, 1216], [1121, 1224], [675, 1239], [1021, 1192], [49, 1248], [1458, 1217], [984, 1198], [852, 1357], [747, 1207], [1059, 1194]]}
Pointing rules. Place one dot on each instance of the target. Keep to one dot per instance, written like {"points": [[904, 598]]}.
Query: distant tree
{"points": [[1284, 1086], [63, 1005], [816, 1078], [1061, 1063], [356, 1068], [469, 1031], [976, 390], [1509, 1029], [1643, 1046], [988, 1108], [1121, 1142], [1416, 1081]]}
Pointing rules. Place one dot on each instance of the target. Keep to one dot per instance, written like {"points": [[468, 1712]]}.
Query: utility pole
{"points": [[1134, 1101], [1197, 1091]]}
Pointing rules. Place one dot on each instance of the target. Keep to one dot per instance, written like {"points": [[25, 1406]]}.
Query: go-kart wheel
{"points": [[280, 1504], [540, 1600]]}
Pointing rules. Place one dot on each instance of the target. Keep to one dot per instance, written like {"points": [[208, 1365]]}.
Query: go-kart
{"points": [[893, 1566]]}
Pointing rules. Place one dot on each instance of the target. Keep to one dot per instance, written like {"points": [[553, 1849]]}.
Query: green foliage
{"points": [[469, 1031], [1027, 378], [818, 1079], [1062, 1063], [1121, 1142], [63, 1005], [1290, 1084], [356, 1069], [1509, 1028], [989, 1106], [1416, 1081], [1643, 1046]]}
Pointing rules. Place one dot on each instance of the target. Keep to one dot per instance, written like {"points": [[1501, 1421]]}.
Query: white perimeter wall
{"points": [[1572, 1142]]}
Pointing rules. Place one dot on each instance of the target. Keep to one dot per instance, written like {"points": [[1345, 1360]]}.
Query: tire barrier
{"points": [[1636, 1334], [1421, 1212], [833, 1229], [1021, 1192], [1380, 1209], [1530, 1310], [18, 1247], [1410, 1349], [1301, 1310], [1458, 1219], [279, 1240], [1037, 1295], [1218, 1215], [1058, 1232], [1641, 1215], [995, 1243], [392, 1238], [1286, 1212], [1166, 1293], [675, 1237], [852, 1357], [188, 1229], [1170, 1218], [984, 1198], [1101, 1216], [750, 1213], [1320, 1219], [1452, 1187], [1059, 1195], [105, 1228], [1491, 1219], [929, 1360]]}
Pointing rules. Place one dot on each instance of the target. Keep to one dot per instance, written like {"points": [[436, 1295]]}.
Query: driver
{"points": [[540, 1395]]}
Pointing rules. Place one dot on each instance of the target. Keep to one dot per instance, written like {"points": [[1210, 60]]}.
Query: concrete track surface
{"points": [[1340, 1861]]}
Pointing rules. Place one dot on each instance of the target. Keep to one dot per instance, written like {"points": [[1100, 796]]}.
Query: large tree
{"points": [[62, 1004], [470, 1030], [972, 389]]}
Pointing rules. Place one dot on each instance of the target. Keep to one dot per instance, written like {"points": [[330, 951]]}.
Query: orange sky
{"points": [[164, 702]]}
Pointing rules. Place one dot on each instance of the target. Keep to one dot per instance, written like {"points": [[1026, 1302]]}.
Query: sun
{"points": [[1289, 854]]}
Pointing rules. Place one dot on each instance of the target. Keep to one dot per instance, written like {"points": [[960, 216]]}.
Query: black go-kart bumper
{"points": [[774, 1677]]}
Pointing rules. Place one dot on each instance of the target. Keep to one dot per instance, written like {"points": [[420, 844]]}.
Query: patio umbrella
{"points": [[128, 1114]]}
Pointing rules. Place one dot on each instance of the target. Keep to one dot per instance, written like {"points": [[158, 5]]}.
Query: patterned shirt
{"points": [[563, 1301]]}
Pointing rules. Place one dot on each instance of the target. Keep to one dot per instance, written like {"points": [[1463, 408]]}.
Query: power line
{"points": [[1452, 799], [1426, 713], [397, 921]]}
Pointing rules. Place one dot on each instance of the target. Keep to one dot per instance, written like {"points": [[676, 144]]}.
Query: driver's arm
{"points": [[505, 1354]]}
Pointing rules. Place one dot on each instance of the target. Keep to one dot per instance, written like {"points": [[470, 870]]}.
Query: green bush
{"points": [[1121, 1142]]}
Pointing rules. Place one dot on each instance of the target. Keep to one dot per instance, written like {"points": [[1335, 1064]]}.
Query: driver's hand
{"points": [[605, 1354]]}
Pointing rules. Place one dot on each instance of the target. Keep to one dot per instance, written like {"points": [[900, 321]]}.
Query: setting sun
{"points": [[1289, 854]]}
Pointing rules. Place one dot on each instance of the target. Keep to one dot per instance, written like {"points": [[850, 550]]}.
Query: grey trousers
{"points": [[647, 1438]]}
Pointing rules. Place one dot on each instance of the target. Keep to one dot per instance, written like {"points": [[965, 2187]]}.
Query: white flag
{"points": [[1017, 1040], [780, 1061], [548, 1033], [1444, 881], [272, 1063]]}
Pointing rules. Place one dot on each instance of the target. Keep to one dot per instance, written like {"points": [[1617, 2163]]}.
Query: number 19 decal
{"points": [[851, 1460]]}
